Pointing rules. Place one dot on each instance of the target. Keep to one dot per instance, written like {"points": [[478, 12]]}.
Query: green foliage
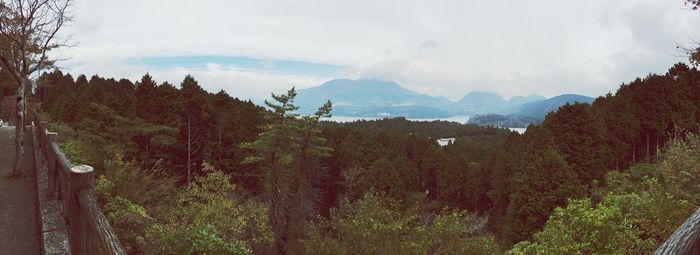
{"points": [[151, 188], [76, 152], [287, 151], [303, 167], [133, 200], [546, 183], [637, 211], [193, 135], [195, 240], [208, 219], [629, 223], [582, 229], [130, 221], [379, 225], [393, 177], [150, 216], [579, 140], [681, 168]]}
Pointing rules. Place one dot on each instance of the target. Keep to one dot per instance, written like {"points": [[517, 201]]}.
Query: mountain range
{"points": [[375, 98]]}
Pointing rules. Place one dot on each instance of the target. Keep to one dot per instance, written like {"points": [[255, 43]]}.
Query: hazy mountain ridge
{"points": [[375, 98], [540, 109], [370, 98]]}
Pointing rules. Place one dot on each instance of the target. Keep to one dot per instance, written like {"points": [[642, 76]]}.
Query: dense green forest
{"points": [[185, 171]]}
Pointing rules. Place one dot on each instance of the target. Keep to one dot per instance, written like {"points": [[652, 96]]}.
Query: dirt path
{"points": [[19, 229]]}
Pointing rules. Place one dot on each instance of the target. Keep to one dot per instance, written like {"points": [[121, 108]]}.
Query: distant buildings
{"points": [[446, 141]]}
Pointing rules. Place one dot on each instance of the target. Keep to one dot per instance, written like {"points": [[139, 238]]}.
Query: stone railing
{"points": [[71, 187], [685, 240]]}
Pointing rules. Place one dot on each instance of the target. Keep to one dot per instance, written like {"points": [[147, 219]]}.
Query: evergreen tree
{"points": [[286, 151], [193, 134], [616, 115], [577, 137], [545, 183], [432, 164], [503, 164], [146, 98], [166, 106]]}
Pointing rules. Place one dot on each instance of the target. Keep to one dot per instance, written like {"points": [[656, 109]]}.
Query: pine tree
{"points": [[545, 183], [287, 150], [146, 98], [193, 134], [579, 140]]}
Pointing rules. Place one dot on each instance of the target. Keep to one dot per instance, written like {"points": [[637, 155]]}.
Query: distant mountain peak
{"points": [[482, 96], [373, 98], [539, 109]]}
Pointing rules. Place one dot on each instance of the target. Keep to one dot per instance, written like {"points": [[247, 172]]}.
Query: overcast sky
{"points": [[444, 48]]}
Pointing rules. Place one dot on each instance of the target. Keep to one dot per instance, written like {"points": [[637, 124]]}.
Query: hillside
{"points": [[372, 98], [540, 108], [481, 102], [376, 98]]}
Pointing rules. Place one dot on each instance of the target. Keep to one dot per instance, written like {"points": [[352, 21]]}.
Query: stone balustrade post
{"points": [[51, 162], [82, 177]]}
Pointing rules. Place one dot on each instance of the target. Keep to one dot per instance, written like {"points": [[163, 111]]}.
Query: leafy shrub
{"points": [[378, 225]]}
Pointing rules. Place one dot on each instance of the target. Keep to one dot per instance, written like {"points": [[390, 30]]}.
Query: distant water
{"points": [[343, 119], [458, 119]]}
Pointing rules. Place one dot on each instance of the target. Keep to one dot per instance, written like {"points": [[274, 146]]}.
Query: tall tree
{"points": [[28, 31], [222, 103], [146, 98], [545, 183], [579, 140], [193, 127], [286, 150], [616, 115]]}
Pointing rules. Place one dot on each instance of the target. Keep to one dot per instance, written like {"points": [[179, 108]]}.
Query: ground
{"points": [[19, 229]]}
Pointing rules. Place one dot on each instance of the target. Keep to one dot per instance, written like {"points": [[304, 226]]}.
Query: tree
{"points": [[28, 31], [146, 98], [616, 115], [545, 184], [286, 151], [582, 229], [694, 4], [193, 127], [693, 53], [208, 203], [222, 103], [394, 178], [503, 164], [578, 139], [150, 139], [433, 162], [378, 225]]}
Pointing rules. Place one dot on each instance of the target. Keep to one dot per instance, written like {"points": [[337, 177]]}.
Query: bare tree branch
{"points": [[28, 30]]}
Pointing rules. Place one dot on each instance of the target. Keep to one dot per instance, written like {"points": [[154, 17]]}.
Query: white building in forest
{"points": [[446, 141]]}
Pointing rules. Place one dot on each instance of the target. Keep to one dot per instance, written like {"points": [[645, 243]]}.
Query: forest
{"points": [[185, 171]]}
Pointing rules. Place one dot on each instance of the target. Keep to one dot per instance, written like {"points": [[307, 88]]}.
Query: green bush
{"points": [[638, 209], [378, 225]]}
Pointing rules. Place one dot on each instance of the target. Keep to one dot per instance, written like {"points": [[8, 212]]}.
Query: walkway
{"points": [[19, 229]]}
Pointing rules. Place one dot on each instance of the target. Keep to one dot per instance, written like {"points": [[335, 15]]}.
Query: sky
{"points": [[442, 48]]}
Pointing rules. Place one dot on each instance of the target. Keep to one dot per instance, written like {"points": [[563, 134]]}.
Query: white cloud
{"points": [[446, 48], [247, 84]]}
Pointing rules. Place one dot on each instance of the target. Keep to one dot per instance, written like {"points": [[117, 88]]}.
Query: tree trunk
{"points": [[648, 156], [19, 129], [189, 149], [221, 146], [634, 153], [657, 145]]}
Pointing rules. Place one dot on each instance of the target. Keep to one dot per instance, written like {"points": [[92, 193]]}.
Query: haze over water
{"points": [[458, 119]]}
